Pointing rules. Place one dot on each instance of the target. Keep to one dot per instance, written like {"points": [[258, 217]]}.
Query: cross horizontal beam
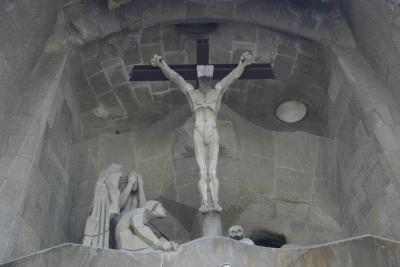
{"points": [[189, 72]]}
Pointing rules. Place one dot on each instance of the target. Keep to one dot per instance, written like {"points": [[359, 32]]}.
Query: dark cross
{"points": [[189, 72]]}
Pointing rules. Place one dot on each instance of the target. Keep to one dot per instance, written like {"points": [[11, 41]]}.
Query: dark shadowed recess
{"points": [[269, 239]]}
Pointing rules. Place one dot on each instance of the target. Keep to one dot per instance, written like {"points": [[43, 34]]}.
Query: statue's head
{"points": [[155, 208], [236, 232], [205, 75], [113, 172]]}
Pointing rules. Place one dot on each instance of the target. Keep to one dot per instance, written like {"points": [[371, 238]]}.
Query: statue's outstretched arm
{"points": [[170, 74], [235, 74], [144, 232], [123, 197], [141, 195]]}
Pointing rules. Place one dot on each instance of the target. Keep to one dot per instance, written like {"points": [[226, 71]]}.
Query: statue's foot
{"points": [[203, 208], [217, 207]]}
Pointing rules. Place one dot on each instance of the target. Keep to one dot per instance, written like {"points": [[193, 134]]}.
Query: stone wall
{"points": [[103, 82], [365, 251], [279, 181], [364, 120], [315, 20], [335, 174], [376, 29], [34, 201], [24, 27]]}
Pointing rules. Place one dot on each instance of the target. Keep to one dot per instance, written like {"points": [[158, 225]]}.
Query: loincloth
{"points": [[207, 134]]}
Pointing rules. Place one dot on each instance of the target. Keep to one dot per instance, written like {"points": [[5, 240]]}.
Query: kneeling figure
{"points": [[132, 232]]}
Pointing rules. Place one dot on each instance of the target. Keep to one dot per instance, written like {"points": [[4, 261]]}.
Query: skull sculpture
{"points": [[236, 232]]}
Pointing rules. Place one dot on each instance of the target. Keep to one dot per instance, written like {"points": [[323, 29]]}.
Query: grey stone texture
{"points": [[270, 180], [311, 19], [298, 64], [366, 251], [376, 29], [25, 28], [366, 143], [333, 175], [34, 158]]}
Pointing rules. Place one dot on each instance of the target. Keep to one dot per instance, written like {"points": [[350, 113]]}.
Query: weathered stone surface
{"points": [[113, 4], [245, 33], [151, 35], [290, 17], [125, 94], [365, 251], [255, 140], [363, 133], [143, 95], [131, 50], [293, 185], [296, 150], [116, 73], [227, 44], [100, 83], [149, 50], [172, 39], [298, 212], [256, 174], [112, 105], [359, 164]]}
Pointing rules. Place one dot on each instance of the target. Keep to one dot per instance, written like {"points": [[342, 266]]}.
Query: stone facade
{"points": [[364, 121], [25, 28], [103, 79], [33, 177], [366, 251], [376, 28], [34, 191], [269, 180], [309, 19], [333, 175]]}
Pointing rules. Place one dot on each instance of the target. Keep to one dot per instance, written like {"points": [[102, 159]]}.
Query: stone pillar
{"points": [[210, 224], [207, 224]]}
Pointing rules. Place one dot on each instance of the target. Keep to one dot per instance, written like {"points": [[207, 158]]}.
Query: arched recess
{"points": [[309, 19]]}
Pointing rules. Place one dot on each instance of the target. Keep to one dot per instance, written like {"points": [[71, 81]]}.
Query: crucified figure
{"points": [[205, 103]]}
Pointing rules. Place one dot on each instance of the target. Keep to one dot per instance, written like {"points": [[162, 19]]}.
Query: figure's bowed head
{"points": [[155, 209]]}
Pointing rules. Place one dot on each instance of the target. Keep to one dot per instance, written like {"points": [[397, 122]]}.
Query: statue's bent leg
{"points": [[200, 151], [212, 169]]}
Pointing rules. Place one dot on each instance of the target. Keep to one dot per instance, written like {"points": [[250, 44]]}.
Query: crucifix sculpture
{"points": [[189, 72], [205, 103]]}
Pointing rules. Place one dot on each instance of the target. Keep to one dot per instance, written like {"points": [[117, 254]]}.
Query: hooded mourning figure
{"points": [[105, 205]]}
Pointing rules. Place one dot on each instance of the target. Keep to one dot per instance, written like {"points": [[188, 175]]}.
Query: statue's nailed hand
{"points": [[246, 59], [156, 60]]}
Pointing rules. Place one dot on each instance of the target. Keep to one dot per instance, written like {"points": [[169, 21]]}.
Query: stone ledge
{"points": [[363, 251]]}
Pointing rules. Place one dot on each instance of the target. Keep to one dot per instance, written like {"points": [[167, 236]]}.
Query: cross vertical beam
{"points": [[203, 52]]}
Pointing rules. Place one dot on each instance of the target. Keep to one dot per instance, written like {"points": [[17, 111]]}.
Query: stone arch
{"points": [[314, 20]]}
